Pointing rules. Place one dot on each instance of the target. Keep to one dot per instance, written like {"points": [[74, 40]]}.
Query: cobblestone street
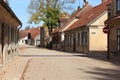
{"points": [[43, 64]]}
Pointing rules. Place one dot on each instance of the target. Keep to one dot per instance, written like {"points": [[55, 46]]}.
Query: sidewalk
{"points": [[14, 69]]}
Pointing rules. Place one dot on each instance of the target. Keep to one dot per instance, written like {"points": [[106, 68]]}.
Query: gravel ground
{"points": [[47, 64]]}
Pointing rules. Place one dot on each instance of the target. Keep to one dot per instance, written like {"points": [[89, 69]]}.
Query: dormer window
{"points": [[118, 5]]}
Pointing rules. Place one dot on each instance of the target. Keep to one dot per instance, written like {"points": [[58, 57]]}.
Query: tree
{"points": [[48, 11], [27, 28]]}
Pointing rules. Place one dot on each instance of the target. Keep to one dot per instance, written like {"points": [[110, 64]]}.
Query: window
{"points": [[118, 5], [70, 40], [84, 39], [78, 39], [9, 35], [118, 39], [67, 40]]}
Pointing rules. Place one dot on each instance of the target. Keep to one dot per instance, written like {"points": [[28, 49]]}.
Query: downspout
{"points": [[18, 29], [108, 47], [20, 26]]}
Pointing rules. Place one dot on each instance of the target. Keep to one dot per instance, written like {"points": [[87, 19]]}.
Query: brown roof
{"points": [[77, 14], [89, 16], [34, 32], [5, 5], [23, 33]]}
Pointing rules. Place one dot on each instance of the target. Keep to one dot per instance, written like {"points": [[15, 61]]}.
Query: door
{"points": [[2, 39], [74, 47]]}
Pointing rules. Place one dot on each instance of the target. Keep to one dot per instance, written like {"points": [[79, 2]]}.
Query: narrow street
{"points": [[88, 29], [43, 64], [46, 64]]}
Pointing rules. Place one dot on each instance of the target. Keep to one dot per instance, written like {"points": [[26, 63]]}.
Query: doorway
{"points": [[74, 46], [2, 39], [118, 39], [2, 36]]}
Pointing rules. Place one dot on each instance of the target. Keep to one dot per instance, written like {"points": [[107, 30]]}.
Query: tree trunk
{"points": [[50, 38]]}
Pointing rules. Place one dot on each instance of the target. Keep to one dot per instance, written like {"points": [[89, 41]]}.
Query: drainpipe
{"points": [[108, 50], [19, 28]]}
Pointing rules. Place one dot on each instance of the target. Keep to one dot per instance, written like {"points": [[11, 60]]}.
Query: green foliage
{"points": [[48, 11], [52, 15]]}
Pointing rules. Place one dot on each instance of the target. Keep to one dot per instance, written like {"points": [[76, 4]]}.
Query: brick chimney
{"points": [[78, 7], [85, 3]]}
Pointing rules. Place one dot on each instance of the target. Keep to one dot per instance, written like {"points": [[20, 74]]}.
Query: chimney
{"points": [[104, 1], [6, 1], [78, 7], [85, 3]]}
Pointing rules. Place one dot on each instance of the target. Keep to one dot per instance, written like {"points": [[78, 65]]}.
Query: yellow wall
{"points": [[98, 39]]}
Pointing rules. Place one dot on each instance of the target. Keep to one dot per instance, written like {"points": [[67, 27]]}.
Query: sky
{"points": [[20, 7]]}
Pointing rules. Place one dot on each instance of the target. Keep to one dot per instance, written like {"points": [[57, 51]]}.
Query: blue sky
{"points": [[20, 9]]}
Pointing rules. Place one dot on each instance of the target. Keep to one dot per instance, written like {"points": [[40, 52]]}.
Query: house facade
{"points": [[9, 31], [59, 36], [113, 23], [31, 36], [23, 37], [86, 35]]}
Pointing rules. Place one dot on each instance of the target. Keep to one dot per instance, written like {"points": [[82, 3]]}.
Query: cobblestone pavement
{"points": [[46, 64]]}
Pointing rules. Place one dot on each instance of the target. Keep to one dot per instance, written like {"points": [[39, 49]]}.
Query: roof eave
{"points": [[10, 10]]}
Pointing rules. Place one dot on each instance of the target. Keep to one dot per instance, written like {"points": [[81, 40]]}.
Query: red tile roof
{"points": [[77, 14], [89, 16], [23, 34], [33, 31]]}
